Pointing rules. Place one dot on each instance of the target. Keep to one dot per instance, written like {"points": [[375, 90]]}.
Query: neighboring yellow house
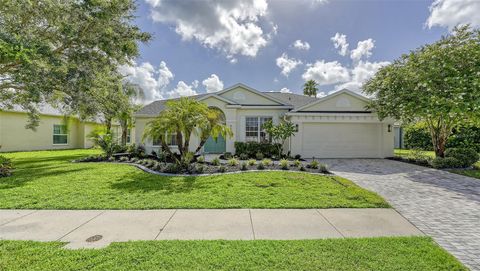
{"points": [[51, 134]]}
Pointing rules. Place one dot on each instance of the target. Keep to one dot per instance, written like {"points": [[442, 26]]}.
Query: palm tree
{"points": [[127, 108], [184, 117], [214, 128], [310, 88]]}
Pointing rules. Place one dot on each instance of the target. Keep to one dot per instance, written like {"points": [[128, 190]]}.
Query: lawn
{"points": [[49, 180], [394, 253], [475, 173]]}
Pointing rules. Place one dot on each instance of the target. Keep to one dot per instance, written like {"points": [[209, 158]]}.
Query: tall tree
{"points": [[437, 83], [52, 51], [310, 88]]}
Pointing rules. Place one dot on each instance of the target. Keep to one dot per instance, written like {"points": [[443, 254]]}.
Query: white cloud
{"points": [[364, 48], [234, 27], [301, 45], [152, 81], [449, 13], [213, 84], [363, 71], [285, 90], [340, 43], [183, 89], [326, 73], [287, 64]]}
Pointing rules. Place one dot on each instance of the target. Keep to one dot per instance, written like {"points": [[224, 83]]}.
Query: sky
{"points": [[201, 46]]}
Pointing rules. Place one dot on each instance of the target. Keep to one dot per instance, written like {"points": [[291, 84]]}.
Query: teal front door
{"points": [[212, 146]]}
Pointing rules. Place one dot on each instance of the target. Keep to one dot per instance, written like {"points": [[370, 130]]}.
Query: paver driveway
{"points": [[443, 205]]}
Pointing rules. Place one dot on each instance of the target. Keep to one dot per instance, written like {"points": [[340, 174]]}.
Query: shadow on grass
{"points": [[140, 182]]}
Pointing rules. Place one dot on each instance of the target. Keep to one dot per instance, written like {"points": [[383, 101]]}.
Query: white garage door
{"points": [[341, 140]]}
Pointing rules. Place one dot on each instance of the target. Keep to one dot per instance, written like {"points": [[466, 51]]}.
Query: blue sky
{"points": [[206, 45]]}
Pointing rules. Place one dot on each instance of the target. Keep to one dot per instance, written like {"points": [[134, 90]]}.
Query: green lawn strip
{"points": [[48, 180], [394, 253], [474, 173]]}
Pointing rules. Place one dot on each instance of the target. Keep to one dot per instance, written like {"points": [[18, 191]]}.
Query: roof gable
{"points": [[343, 100], [244, 95]]}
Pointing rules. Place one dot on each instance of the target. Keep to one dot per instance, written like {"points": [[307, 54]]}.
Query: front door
{"points": [[212, 146]]}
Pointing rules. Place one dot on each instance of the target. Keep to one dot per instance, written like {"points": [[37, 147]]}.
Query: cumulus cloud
{"points": [[364, 49], [301, 45], [449, 13], [234, 27], [213, 84], [183, 89], [363, 71], [340, 43], [326, 73], [285, 90], [287, 64], [152, 81]]}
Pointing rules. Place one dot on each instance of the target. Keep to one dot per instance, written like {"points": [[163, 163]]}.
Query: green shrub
{"points": [[227, 155], [157, 166], [323, 168], [6, 167], [232, 162], [466, 157], [298, 156], [123, 159], [252, 162], [302, 168], [296, 163], [134, 160], [201, 159], [259, 156], [222, 169], [252, 148], [417, 136], [216, 161], [172, 168], [200, 169], [244, 166], [314, 164], [137, 151], [260, 166], [283, 164], [448, 162], [111, 159], [465, 137], [266, 162], [243, 156]]}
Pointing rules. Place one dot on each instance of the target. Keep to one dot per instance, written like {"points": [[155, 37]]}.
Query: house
{"points": [[55, 131], [335, 126]]}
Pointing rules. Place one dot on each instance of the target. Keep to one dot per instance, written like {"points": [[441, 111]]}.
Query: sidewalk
{"points": [[76, 226]]}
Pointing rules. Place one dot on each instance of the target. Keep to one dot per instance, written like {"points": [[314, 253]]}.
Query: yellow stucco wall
{"points": [[14, 136], [341, 102]]}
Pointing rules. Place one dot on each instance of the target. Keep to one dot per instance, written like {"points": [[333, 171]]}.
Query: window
{"points": [[60, 134], [171, 140], [254, 131]]}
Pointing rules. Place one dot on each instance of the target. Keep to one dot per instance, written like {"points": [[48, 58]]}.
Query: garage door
{"points": [[341, 140]]}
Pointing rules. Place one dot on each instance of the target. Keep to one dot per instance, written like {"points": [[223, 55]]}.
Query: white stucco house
{"points": [[334, 126]]}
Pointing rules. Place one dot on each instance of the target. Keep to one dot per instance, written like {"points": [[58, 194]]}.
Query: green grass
{"points": [[394, 253], [474, 173], [48, 180], [406, 153]]}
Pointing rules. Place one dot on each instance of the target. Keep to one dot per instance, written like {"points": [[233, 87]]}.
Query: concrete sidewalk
{"points": [[76, 226]]}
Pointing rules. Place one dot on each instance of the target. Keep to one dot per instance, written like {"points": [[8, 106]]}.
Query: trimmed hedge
{"points": [[252, 148], [418, 136], [466, 157]]}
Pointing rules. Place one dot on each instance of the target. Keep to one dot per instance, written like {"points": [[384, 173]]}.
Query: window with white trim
{"points": [[60, 134], [171, 140], [254, 130]]}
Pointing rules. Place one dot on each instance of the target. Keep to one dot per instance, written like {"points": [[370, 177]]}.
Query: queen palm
{"points": [[310, 88]]}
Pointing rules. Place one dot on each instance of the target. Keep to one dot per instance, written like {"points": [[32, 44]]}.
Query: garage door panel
{"points": [[340, 140]]}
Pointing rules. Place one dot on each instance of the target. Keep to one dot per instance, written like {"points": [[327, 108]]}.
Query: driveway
{"points": [[443, 205]]}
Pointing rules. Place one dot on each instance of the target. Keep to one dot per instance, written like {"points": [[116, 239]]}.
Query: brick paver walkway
{"points": [[443, 205]]}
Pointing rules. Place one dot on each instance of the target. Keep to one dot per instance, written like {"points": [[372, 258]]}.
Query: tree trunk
{"points": [[108, 125], [179, 142], [200, 146], [439, 132], [124, 125]]}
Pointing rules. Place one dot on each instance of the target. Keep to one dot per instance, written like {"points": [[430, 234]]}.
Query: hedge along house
{"points": [[55, 131], [335, 126]]}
